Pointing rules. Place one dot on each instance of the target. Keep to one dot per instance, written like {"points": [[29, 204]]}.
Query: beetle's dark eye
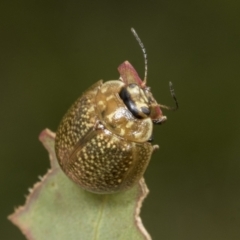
{"points": [[125, 96], [133, 101], [145, 110]]}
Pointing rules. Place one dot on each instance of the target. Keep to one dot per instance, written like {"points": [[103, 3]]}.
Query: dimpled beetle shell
{"points": [[104, 141]]}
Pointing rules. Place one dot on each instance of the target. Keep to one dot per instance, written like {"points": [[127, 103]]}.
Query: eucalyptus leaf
{"points": [[57, 208]]}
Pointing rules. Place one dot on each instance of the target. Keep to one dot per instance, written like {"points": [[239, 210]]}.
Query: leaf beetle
{"points": [[103, 142]]}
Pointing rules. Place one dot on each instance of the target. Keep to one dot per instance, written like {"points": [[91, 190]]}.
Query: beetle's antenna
{"points": [[174, 98], [144, 54]]}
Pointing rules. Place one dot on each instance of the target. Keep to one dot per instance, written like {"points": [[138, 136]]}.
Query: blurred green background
{"points": [[51, 51]]}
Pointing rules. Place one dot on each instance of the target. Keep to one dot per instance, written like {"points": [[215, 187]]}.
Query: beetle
{"points": [[104, 141]]}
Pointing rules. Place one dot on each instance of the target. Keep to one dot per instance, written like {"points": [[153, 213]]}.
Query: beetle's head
{"points": [[137, 96]]}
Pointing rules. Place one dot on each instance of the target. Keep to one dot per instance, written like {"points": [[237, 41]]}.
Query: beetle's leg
{"points": [[159, 120], [155, 147], [150, 139]]}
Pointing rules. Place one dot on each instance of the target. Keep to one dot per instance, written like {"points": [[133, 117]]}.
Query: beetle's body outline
{"points": [[100, 144], [103, 142]]}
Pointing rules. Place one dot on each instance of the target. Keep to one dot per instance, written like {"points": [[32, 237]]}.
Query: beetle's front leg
{"points": [[159, 120]]}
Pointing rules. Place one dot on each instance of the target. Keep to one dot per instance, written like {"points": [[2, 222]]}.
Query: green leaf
{"points": [[57, 208]]}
